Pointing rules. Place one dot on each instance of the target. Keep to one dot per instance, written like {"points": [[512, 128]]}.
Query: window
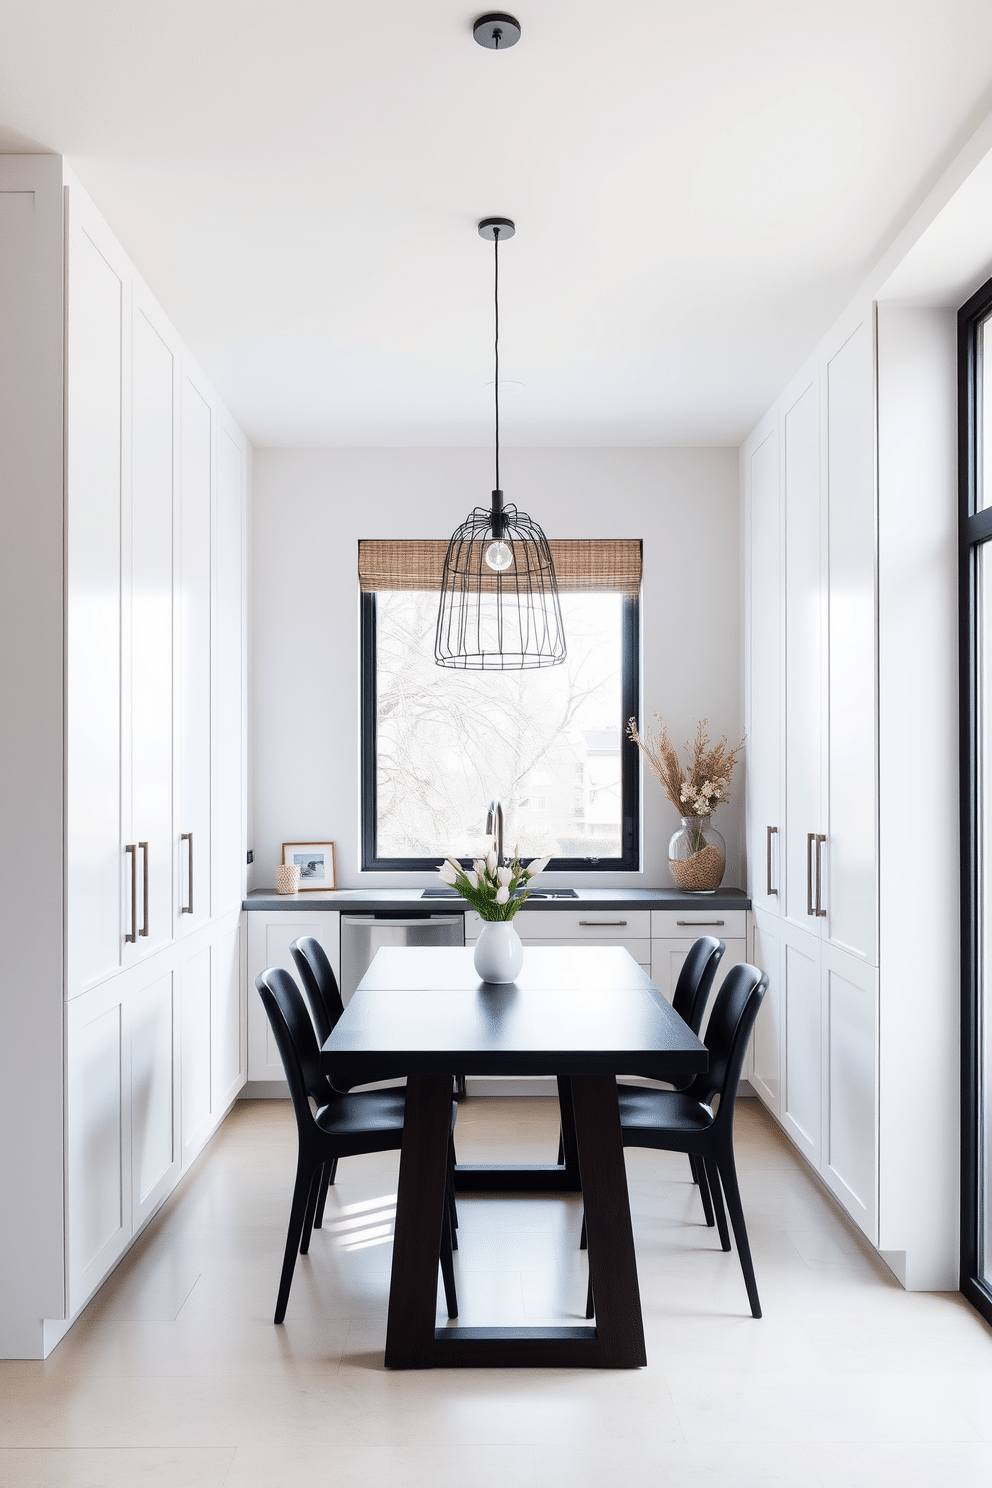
{"points": [[975, 448], [438, 745]]}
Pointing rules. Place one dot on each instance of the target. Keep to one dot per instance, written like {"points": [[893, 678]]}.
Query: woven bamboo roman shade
{"points": [[595, 565]]}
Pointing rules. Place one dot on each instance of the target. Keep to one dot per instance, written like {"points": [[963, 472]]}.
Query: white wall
{"points": [[920, 979], [311, 507]]}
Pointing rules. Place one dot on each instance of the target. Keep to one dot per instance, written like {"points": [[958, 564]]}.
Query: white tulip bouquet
{"points": [[495, 891]]}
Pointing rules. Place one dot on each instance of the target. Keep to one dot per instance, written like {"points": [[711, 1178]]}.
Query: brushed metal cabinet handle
{"points": [[770, 832], [820, 840], [809, 873], [132, 934], [597, 924], [188, 837], [144, 896], [698, 924]]}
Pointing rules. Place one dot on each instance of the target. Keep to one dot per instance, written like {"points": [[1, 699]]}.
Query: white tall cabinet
{"points": [[125, 1018], [811, 687]]}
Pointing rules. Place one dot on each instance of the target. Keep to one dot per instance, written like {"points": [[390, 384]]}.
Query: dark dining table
{"points": [[584, 1015]]}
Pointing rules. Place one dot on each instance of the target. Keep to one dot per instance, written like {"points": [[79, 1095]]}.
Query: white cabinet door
{"points": [[228, 1040], [269, 939], [196, 1052], [668, 957], [95, 417], [150, 656], [849, 853], [212, 1036], [766, 1044], [155, 1134], [764, 676], [803, 639], [193, 605], [98, 1137], [802, 1042], [850, 1085], [228, 840]]}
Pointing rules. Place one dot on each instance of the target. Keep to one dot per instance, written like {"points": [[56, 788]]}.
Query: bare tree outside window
{"points": [[546, 742]]}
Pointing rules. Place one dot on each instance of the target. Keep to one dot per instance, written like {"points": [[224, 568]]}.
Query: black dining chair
{"points": [[324, 996], [341, 1125], [319, 983], [685, 1121], [692, 991]]}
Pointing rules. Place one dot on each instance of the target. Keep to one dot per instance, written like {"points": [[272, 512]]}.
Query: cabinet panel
{"points": [[150, 661], [803, 602], [195, 995], [94, 432], [578, 924], [725, 924], [764, 714], [154, 1093], [269, 939], [228, 836], [849, 853], [766, 1044], [668, 957], [801, 1093], [227, 1040], [193, 854], [850, 1157], [98, 1176]]}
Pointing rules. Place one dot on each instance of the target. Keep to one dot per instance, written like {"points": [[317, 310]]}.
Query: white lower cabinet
{"points": [[270, 934], [801, 1112], [154, 1058], [765, 1074], [213, 1037], [849, 1159], [675, 932], [815, 1059], [155, 1094], [98, 1127]]}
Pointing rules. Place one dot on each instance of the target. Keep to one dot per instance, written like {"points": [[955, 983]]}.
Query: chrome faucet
{"points": [[494, 828]]}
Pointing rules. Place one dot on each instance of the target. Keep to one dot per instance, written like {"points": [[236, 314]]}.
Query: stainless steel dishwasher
{"points": [[363, 935]]}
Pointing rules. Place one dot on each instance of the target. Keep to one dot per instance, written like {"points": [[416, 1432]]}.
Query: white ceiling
{"points": [[698, 188]]}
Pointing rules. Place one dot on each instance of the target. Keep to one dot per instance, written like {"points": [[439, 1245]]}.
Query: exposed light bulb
{"points": [[499, 556]]}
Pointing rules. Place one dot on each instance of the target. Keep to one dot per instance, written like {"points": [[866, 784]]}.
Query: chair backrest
{"points": [[276, 987], [319, 983], [281, 995], [692, 989], [727, 1034]]}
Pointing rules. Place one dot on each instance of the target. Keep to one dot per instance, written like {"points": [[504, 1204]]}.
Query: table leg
{"points": [[419, 1216], [612, 1264]]}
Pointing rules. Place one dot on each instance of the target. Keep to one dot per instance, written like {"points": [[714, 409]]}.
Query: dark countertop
{"points": [[410, 901]]}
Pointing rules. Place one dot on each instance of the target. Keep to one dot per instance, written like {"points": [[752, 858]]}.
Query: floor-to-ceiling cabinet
{"points": [[811, 682], [152, 558]]}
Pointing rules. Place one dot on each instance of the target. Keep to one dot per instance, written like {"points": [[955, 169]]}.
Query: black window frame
{"points": [[974, 530], [630, 796]]}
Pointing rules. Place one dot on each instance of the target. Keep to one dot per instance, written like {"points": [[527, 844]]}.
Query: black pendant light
{"points": [[499, 606]]}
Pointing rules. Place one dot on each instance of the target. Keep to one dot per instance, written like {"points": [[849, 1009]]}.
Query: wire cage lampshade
{"points": [[499, 606], [499, 609]]}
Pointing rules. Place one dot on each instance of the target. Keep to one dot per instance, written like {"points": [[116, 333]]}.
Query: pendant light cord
{"points": [[496, 346]]}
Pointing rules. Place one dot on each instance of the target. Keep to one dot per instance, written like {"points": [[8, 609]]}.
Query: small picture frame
{"points": [[315, 861]]}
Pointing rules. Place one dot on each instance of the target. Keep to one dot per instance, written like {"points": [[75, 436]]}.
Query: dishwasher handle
{"points": [[455, 919]]}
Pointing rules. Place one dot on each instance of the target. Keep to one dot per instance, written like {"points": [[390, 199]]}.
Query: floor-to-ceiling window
{"points": [[975, 453]]}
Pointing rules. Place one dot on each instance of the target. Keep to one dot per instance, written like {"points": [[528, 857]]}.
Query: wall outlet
{"points": [[251, 856]]}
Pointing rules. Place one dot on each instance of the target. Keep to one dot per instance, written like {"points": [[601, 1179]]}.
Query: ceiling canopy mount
{"points": [[497, 31]]}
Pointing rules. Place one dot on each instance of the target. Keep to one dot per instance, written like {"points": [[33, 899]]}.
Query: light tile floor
{"points": [[175, 1376]]}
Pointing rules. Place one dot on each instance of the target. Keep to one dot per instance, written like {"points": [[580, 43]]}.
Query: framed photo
{"points": [[315, 861]]}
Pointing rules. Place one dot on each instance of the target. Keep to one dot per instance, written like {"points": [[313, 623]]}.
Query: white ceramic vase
{"points": [[499, 954]]}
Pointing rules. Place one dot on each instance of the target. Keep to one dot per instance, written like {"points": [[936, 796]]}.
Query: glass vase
{"points": [[697, 856]]}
